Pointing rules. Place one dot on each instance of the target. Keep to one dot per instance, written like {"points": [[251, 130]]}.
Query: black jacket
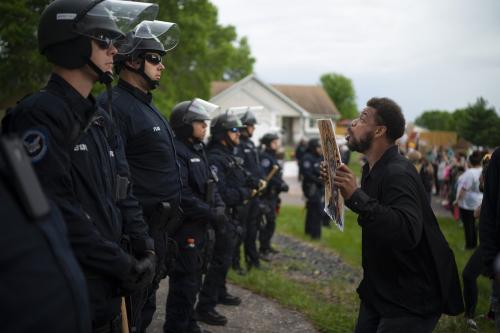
{"points": [[149, 146], [489, 221], [276, 184], [195, 173], [251, 159], [78, 171], [233, 184], [312, 185], [408, 266]]}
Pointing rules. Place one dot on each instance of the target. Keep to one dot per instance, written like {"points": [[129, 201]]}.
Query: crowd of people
{"points": [[120, 196]]}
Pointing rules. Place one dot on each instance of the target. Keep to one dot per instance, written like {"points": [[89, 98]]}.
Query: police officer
{"points": [[78, 156], [149, 145], [313, 188], [235, 188], [251, 162], [270, 195], [203, 207], [40, 275]]}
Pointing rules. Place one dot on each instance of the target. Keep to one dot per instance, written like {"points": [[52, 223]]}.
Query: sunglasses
{"points": [[152, 58], [103, 42], [234, 130]]}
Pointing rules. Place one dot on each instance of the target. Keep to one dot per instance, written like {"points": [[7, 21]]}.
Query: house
{"points": [[289, 109]]}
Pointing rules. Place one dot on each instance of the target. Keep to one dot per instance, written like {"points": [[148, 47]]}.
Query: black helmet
{"points": [[248, 118], [268, 138], [66, 26], [225, 122], [184, 113], [313, 144]]}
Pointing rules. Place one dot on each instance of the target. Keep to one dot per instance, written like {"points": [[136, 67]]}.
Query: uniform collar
{"points": [[82, 106], [141, 95]]}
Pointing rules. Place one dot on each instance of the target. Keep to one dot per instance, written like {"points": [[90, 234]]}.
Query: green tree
{"points": [[478, 123], [436, 120], [22, 69], [341, 92]]}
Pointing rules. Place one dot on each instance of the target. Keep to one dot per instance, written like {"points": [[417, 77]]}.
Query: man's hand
{"points": [[345, 180], [323, 171]]}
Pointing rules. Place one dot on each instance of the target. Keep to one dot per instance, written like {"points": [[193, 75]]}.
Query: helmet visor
{"points": [[114, 18], [165, 34], [200, 110]]}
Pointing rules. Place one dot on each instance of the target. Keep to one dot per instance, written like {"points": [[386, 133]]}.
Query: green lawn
{"points": [[332, 307]]}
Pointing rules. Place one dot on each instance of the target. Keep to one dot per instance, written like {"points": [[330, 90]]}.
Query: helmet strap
{"points": [[103, 77], [152, 84]]}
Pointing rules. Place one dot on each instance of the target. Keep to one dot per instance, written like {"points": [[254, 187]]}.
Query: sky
{"points": [[424, 54]]}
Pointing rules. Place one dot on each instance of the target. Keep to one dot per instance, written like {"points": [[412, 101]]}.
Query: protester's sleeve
{"points": [[397, 217]]}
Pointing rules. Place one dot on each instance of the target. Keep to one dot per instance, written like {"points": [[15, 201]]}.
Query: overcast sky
{"points": [[425, 54]]}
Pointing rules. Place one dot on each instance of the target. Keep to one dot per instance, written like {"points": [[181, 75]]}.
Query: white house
{"points": [[290, 109]]}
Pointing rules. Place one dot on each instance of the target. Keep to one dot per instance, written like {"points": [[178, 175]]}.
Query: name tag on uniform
{"points": [[248, 151], [80, 147], [111, 153], [156, 129], [195, 159]]}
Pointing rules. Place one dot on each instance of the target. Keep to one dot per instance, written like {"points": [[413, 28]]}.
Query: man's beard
{"points": [[362, 145]]}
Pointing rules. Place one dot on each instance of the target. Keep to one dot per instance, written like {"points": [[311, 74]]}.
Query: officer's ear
{"points": [[135, 63]]}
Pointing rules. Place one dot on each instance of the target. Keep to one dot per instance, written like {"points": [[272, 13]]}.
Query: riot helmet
{"points": [[148, 36], [186, 112], [223, 123], [67, 26], [268, 138], [313, 144]]}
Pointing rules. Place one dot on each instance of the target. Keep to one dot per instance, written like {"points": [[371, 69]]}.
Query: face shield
{"points": [[164, 34], [112, 19]]}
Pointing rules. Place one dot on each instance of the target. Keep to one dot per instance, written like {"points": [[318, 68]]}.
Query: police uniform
{"points": [[234, 190], [251, 162], [41, 279], [270, 198], [151, 155], [78, 157], [185, 280], [313, 189]]}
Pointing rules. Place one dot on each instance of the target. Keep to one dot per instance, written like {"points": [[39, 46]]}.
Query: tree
{"points": [[479, 123], [436, 120], [341, 92], [207, 51], [22, 69]]}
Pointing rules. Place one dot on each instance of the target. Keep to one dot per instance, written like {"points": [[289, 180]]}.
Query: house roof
{"points": [[313, 99]]}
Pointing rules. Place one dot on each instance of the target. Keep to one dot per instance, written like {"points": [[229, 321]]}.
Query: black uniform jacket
{"points": [[195, 172], [408, 265], [149, 146], [232, 184], [78, 171], [312, 185], [251, 159], [489, 223], [40, 276], [267, 161]]}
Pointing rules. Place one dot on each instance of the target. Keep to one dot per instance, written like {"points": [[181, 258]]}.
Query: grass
{"points": [[332, 307]]}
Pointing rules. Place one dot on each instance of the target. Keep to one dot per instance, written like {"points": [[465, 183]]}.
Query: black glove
{"points": [[252, 183], [284, 187], [264, 208], [141, 274], [219, 219]]}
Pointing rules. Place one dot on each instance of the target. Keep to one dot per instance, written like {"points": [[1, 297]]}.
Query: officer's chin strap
{"points": [[152, 84], [105, 78]]}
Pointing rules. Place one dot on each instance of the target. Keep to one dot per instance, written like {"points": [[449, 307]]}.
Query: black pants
{"points": [[314, 218], [242, 218], [149, 308], [215, 279], [251, 254], [267, 231], [471, 272], [185, 278], [369, 321], [470, 230]]}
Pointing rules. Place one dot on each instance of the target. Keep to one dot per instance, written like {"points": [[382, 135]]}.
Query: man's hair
{"points": [[475, 158], [388, 114]]}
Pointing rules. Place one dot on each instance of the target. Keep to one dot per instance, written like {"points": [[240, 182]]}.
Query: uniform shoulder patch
{"points": [[306, 164], [265, 163], [36, 144]]}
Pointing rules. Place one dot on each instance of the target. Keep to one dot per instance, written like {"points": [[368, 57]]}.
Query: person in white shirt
{"points": [[469, 197]]}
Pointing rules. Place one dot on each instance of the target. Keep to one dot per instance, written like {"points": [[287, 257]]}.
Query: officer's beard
{"points": [[361, 145]]}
